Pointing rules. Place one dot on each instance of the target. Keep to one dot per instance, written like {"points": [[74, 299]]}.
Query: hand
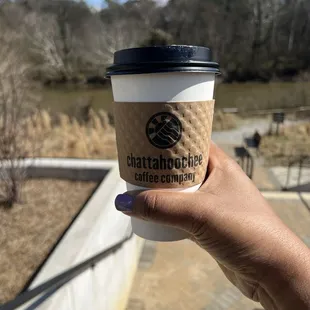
{"points": [[229, 218]]}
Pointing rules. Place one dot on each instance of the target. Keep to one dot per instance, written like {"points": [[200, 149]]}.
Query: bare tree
{"points": [[121, 26], [46, 47], [252, 39], [118, 35], [16, 104]]}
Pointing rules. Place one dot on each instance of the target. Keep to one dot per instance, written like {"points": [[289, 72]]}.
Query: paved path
{"points": [[236, 136], [182, 276], [280, 173], [228, 140], [246, 129]]}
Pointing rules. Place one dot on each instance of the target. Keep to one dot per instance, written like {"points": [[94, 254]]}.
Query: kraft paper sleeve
{"points": [[164, 145]]}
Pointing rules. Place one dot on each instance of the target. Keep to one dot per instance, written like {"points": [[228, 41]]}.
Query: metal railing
{"points": [[266, 111], [301, 162], [245, 160], [47, 289]]}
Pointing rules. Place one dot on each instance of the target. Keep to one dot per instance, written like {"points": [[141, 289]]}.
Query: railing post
{"points": [[288, 176], [300, 171]]}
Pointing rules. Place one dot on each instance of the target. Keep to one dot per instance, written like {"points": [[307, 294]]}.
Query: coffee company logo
{"points": [[164, 130]]}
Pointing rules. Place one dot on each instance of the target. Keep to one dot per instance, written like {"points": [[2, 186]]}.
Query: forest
{"points": [[66, 41]]}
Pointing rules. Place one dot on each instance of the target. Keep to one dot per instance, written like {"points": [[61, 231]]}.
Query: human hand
{"points": [[230, 219]]}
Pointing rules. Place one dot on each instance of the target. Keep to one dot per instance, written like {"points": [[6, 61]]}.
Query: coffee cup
{"points": [[164, 105]]}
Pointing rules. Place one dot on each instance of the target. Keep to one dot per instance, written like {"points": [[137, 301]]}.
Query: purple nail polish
{"points": [[124, 203]]}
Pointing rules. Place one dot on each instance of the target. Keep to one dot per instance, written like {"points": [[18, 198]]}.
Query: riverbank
{"points": [[244, 96]]}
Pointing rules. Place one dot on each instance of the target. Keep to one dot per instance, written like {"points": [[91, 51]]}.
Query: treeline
{"points": [[67, 41]]}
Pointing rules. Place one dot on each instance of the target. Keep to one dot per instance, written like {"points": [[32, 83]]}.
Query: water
{"points": [[68, 100], [247, 96]]}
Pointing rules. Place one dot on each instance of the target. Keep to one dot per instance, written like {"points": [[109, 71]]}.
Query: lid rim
{"points": [[156, 59], [164, 70]]}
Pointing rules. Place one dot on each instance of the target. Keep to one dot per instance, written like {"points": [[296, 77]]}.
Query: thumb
{"points": [[180, 210]]}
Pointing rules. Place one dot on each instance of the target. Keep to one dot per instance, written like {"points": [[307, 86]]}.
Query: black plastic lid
{"points": [[173, 58]]}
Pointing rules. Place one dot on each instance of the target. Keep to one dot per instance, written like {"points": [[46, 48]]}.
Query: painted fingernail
{"points": [[124, 203]]}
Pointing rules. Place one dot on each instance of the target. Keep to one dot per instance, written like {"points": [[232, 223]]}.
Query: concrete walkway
{"points": [[181, 276], [281, 173], [236, 136], [271, 179], [246, 129]]}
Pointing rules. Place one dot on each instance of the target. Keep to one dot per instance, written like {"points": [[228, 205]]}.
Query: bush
{"points": [[67, 137], [224, 121], [292, 142], [158, 37]]}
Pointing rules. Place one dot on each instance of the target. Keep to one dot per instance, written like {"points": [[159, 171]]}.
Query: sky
{"points": [[95, 3], [98, 3]]}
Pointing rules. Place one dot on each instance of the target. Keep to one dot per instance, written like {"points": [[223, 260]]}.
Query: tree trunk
{"points": [[257, 32], [275, 8], [293, 24]]}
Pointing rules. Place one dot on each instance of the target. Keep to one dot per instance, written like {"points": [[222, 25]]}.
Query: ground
{"points": [[29, 230], [181, 276]]}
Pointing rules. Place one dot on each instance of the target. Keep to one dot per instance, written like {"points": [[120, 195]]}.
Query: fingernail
{"points": [[124, 203]]}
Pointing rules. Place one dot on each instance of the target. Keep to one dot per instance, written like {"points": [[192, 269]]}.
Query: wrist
{"points": [[287, 285]]}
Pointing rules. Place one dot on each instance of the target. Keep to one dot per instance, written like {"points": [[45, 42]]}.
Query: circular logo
{"points": [[164, 130]]}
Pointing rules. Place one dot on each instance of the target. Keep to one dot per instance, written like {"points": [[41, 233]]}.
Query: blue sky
{"points": [[95, 3], [98, 3]]}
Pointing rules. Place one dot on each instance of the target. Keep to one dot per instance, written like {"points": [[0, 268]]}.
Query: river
{"points": [[247, 96]]}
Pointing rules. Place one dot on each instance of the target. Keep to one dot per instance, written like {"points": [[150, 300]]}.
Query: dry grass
{"points": [[224, 121], [30, 229], [66, 137], [293, 142]]}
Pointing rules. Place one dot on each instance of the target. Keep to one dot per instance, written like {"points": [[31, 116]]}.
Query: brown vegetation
{"points": [[292, 143], [66, 137], [17, 103], [30, 229], [224, 121]]}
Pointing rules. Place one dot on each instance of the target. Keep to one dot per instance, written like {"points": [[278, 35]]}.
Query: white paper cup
{"points": [[182, 86]]}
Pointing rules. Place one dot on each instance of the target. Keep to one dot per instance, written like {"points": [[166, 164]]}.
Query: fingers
{"points": [[221, 167], [218, 157], [215, 156], [181, 210]]}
